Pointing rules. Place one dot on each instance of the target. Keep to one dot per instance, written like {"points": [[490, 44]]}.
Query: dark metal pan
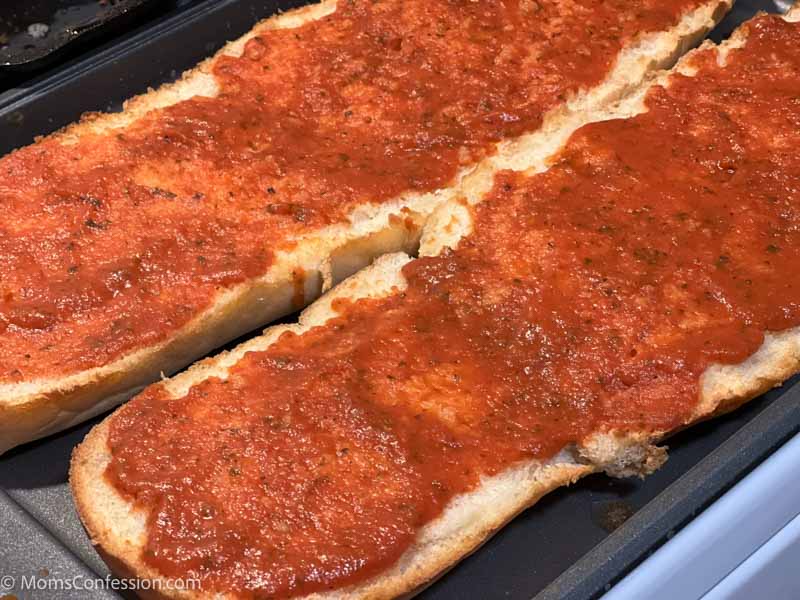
{"points": [[33, 31]]}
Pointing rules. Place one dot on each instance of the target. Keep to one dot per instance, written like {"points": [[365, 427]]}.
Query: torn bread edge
{"points": [[33, 409]]}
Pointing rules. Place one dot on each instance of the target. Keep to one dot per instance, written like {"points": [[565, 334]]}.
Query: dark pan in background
{"points": [[573, 545], [39, 36], [31, 31]]}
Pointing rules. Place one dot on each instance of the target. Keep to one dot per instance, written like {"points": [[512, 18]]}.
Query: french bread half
{"points": [[119, 526], [47, 385]]}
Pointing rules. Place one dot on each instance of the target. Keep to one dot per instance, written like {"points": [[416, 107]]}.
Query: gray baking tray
{"points": [[33, 30]]}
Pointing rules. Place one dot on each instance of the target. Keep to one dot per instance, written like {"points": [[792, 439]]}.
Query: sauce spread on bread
{"points": [[114, 242], [589, 298]]}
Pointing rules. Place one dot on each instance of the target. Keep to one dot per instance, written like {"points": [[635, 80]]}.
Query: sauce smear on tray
{"points": [[113, 243], [589, 298]]}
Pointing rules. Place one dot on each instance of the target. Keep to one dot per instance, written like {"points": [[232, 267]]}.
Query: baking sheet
{"points": [[573, 544]]}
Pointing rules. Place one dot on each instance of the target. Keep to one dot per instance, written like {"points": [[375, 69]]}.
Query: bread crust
{"points": [[34, 409], [470, 519]]}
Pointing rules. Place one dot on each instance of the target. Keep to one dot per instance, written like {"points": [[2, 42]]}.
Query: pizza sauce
{"points": [[115, 242], [589, 297]]}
